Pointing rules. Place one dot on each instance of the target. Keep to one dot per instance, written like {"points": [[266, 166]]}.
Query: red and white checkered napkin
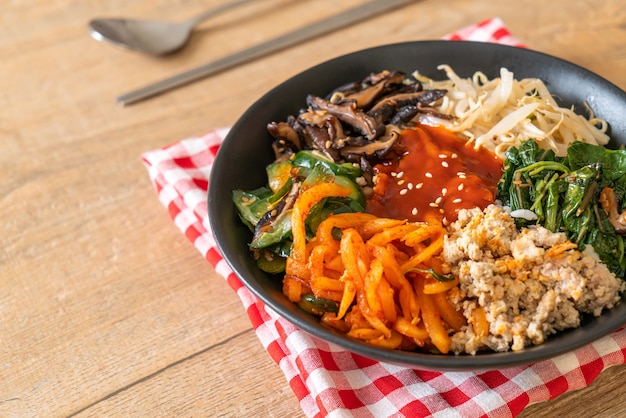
{"points": [[330, 381]]}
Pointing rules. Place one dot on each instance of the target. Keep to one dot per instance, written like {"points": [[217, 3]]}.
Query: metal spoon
{"points": [[150, 36]]}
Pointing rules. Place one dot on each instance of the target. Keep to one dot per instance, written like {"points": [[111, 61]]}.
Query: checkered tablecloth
{"points": [[329, 381]]}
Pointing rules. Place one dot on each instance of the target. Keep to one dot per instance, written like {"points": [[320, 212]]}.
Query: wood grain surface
{"points": [[105, 308]]}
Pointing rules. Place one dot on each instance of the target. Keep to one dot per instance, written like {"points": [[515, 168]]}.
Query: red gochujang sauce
{"points": [[435, 174]]}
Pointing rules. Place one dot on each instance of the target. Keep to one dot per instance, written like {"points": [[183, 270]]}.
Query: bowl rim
{"points": [[569, 339]]}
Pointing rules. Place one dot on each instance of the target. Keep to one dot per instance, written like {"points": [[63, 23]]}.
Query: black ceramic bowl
{"points": [[241, 161]]}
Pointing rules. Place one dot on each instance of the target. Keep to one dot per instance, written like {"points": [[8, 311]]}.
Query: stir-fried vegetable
{"points": [[501, 112], [267, 210], [317, 306], [563, 194]]}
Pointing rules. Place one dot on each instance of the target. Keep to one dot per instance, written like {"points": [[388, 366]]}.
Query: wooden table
{"points": [[105, 308]]}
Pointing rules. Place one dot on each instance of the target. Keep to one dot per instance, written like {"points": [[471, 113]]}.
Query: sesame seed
{"points": [[445, 164], [454, 155], [441, 211], [438, 200], [400, 174], [444, 191], [410, 186], [414, 211], [433, 205], [461, 186], [443, 156], [401, 182], [403, 192], [419, 185], [445, 221], [394, 174], [429, 175], [457, 200]]}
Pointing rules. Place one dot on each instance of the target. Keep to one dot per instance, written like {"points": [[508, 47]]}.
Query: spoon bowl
{"points": [[151, 36], [147, 36]]}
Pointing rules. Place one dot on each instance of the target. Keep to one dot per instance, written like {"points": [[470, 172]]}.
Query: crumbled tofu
{"points": [[530, 283]]}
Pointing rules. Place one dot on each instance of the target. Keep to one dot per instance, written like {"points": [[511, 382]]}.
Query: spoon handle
{"points": [[325, 26], [216, 10]]}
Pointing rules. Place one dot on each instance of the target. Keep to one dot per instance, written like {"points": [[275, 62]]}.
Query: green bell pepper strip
{"points": [[279, 175], [281, 230], [310, 159], [271, 263], [317, 306], [252, 205]]}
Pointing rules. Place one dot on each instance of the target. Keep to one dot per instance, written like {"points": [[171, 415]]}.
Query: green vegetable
{"points": [[279, 175], [280, 231], [576, 211], [271, 263], [252, 205], [563, 193], [305, 169], [317, 306], [613, 163], [310, 159]]}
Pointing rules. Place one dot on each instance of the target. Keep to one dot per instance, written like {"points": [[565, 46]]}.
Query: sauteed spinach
{"points": [[564, 193]]}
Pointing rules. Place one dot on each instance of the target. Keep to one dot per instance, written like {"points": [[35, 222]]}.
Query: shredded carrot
{"points": [[365, 264], [307, 199]]}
